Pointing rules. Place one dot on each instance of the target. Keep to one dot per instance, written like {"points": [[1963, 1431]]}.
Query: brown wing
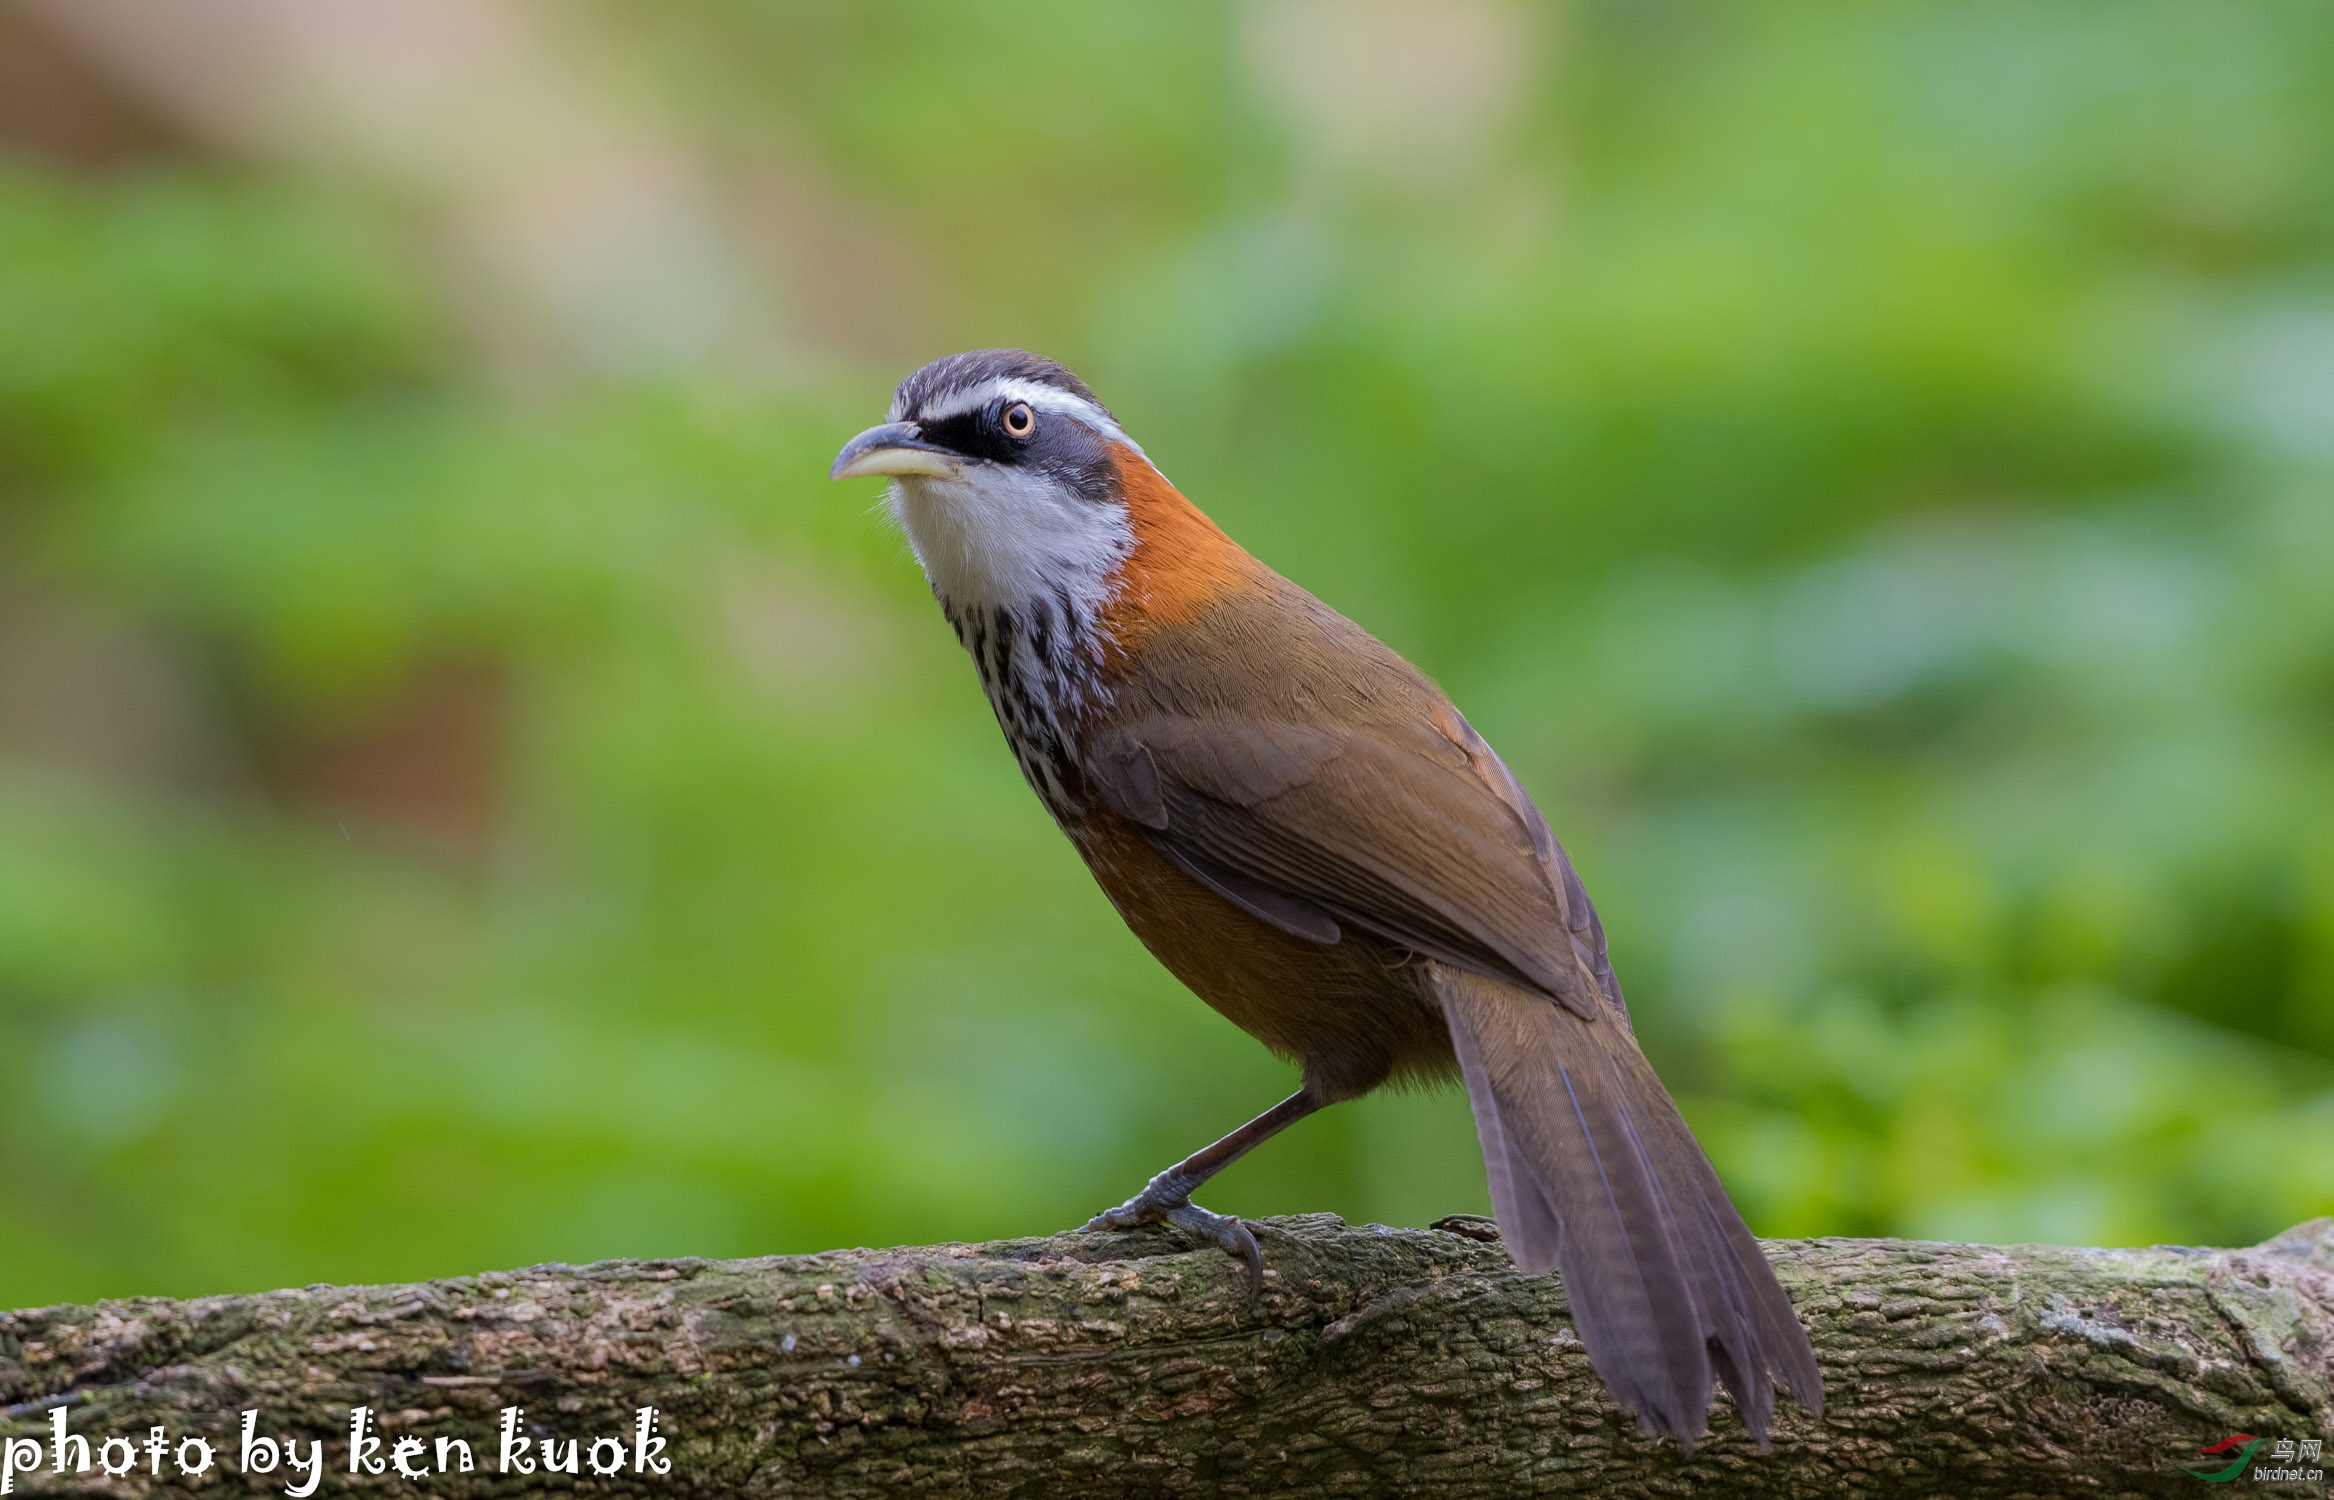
{"points": [[1396, 820]]}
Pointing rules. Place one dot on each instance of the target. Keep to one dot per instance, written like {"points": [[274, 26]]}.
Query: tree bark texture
{"points": [[1376, 1362]]}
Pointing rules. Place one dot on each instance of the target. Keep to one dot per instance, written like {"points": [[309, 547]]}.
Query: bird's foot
{"points": [[1170, 1205]]}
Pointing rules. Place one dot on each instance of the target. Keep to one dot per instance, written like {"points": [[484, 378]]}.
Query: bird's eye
{"points": [[1020, 421]]}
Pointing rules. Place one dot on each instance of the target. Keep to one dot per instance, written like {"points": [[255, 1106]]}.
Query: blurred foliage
{"points": [[1871, 470]]}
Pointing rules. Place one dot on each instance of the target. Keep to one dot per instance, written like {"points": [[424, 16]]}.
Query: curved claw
{"points": [[1234, 1237], [1221, 1230]]}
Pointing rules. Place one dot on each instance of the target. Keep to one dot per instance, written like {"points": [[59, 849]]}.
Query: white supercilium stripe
{"points": [[1040, 396]]}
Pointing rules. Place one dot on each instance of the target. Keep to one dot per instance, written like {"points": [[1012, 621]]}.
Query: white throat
{"points": [[1001, 538], [1022, 568]]}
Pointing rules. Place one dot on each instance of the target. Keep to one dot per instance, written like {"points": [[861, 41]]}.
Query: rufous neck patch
{"points": [[1181, 561]]}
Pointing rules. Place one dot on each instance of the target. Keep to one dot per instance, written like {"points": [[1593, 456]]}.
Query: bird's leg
{"points": [[1167, 1198]]}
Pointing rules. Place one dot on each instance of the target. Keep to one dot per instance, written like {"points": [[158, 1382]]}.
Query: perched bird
{"points": [[1300, 826]]}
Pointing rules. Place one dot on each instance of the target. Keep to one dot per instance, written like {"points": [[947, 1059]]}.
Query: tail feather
{"points": [[1774, 1327], [1594, 1173]]}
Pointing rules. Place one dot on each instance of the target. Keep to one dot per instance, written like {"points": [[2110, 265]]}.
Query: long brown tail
{"points": [[1593, 1173]]}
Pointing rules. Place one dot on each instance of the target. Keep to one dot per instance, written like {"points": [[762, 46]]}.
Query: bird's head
{"points": [[1008, 476]]}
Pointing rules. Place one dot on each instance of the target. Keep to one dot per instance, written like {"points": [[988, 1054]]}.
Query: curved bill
{"points": [[895, 448]]}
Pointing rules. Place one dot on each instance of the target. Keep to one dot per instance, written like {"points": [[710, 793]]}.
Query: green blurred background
{"points": [[472, 793]]}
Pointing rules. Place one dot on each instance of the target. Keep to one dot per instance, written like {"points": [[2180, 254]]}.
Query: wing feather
{"points": [[1391, 829]]}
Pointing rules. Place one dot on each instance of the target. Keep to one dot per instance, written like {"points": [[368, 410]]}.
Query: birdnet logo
{"points": [[2286, 1455]]}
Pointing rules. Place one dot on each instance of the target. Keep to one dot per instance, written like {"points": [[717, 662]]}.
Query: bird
{"points": [[1302, 828]]}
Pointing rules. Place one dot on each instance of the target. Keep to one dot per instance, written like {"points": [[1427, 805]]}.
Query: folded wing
{"points": [[1410, 832]]}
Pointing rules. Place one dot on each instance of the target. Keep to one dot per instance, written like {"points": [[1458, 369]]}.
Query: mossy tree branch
{"points": [[1376, 1362]]}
